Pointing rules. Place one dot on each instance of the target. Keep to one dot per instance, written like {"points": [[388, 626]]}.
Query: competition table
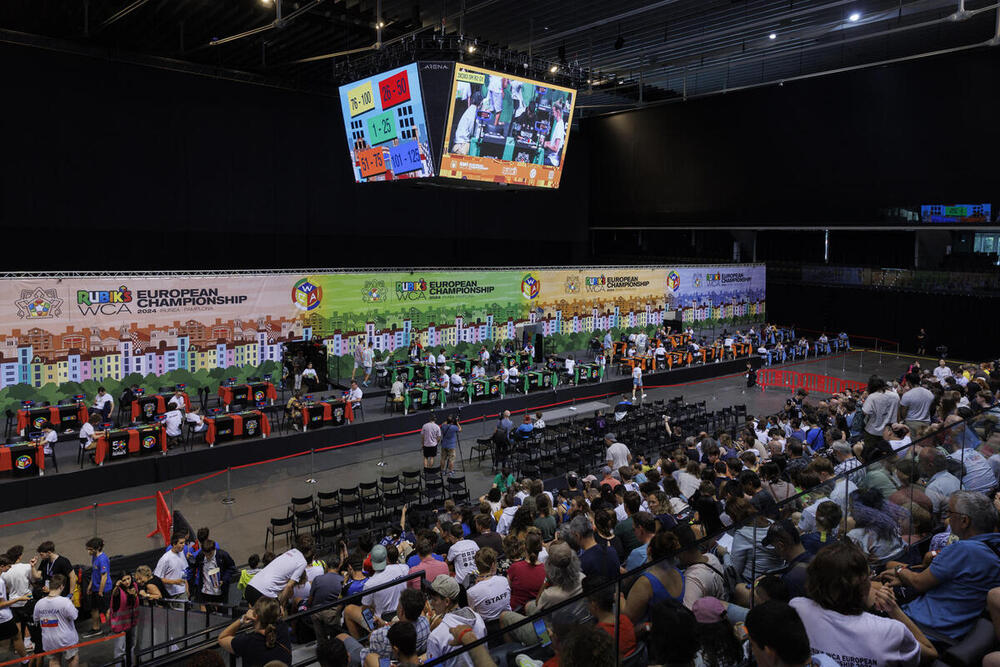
{"points": [[411, 372], [463, 365], [425, 396], [146, 408], [325, 413], [225, 427], [68, 416], [518, 358], [250, 394], [22, 459], [646, 363], [485, 388], [534, 380], [587, 373], [121, 442]]}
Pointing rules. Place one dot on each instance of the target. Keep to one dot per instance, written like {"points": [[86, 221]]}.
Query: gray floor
{"points": [[263, 491]]}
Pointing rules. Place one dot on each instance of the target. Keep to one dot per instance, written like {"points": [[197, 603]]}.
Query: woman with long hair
{"points": [[269, 640], [523, 519], [546, 520], [526, 574], [749, 557], [877, 531]]}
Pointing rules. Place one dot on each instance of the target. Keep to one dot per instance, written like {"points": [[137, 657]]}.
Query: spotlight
{"points": [[380, 24], [772, 36], [855, 17], [472, 48], [553, 69], [265, 2], [619, 43]]}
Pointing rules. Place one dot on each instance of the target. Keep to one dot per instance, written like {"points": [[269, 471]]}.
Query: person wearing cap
{"points": [[618, 454], [719, 645], [447, 599], [384, 602], [778, 638]]}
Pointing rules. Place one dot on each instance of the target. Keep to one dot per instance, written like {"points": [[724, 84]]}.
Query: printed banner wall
{"points": [[67, 335]]}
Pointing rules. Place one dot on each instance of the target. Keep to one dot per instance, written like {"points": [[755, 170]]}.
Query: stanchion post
{"points": [[312, 466], [228, 500], [861, 363], [381, 455], [95, 519], [879, 353]]}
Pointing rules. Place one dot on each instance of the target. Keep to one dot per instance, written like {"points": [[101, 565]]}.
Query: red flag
{"points": [[164, 522]]}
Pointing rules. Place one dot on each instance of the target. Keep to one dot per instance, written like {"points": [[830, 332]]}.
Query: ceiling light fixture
{"points": [[855, 17], [553, 69], [472, 48], [772, 36]]}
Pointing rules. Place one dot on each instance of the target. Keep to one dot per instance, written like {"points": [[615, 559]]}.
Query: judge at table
{"points": [[310, 377], [177, 400], [172, 421], [195, 418], [48, 438]]}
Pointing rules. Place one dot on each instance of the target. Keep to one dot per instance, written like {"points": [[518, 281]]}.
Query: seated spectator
{"points": [[749, 557], [563, 581], [673, 639], [660, 582], [447, 600], [526, 573], [778, 639], [269, 641], [784, 538], [402, 641], [644, 527], [907, 493], [877, 532], [941, 484], [490, 595], [719, 646], [761, 500], [601, 603], [827, 524], [954, 587], [703, 573], [427, 562], [546, 520], [410, 612], [595, 559], [382, 603], [836, 617]]}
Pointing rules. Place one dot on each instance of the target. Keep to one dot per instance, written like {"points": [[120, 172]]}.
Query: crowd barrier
{"points": [[812, 382]]}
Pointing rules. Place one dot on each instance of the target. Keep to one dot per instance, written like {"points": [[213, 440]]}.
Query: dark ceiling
{"points": [[620, 52]]}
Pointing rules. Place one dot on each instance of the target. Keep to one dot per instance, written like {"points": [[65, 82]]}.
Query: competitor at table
{"points": [[529, 350], [103, 403], [457, 383], [445, 381], [48, 438], [172, 421], [570, 365], [478, 371], [355, 395], [88, 435], [294, 409], [484, 356], [512, 375], [441, 359], [661, 354], [195, 418], [177, 399]]}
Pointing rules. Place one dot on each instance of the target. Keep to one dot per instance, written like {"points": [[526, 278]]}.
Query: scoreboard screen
{"points": [[507, 130], [386, 126], [956, 213]]}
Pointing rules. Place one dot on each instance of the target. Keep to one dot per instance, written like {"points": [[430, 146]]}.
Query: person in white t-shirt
{"points": [[466, 127], [57, 617], [88, 434], [279, 577], [9, 627], [490, 595], [777, 638], [172, 568], [443, 597], [618, 454], [942, 371], [462, 554], [837, 618], [637, 381], [554, 146], [445, 381], [172, 424], [177, 400], [383, 603], [195, 418], [103, 404]]}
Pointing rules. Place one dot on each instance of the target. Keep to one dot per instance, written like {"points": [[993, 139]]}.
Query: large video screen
{"points": [[386, 126], [956, 213], [503, 129]]}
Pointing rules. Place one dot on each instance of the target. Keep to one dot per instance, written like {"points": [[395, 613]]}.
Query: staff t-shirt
{"points": [[490, 597], [56, 616], [463, 555], [289, 566], [172, 422], [861, 639], [101, 565]]}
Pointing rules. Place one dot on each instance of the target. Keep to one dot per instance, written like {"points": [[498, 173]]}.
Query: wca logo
{"points": [[713, 277], [673, 281], [411, 290], [306, 295], [104, 302]]}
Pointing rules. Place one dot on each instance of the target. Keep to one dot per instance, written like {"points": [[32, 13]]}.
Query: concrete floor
{"points": [[263, 491]]}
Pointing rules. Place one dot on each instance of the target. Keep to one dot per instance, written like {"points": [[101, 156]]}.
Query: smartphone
{"points": [[369, 617], [384, 662], [542, 631]]}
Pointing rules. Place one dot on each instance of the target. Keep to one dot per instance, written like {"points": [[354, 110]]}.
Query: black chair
{"points": [[11, 420], [285, 526], [300, 504], [350, 504], [330, 516], [306, 521], [482, 448], [410, 481], [457, 489], [371, 497]]}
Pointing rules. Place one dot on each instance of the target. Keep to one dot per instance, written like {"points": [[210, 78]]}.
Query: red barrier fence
{"points": [[812, 382]]}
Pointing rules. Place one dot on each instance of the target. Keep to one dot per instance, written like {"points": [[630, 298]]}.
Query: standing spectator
{"points": [[9, 628], [915, 404], [48, 564], [279, 577], [879, 408], [56, 615], [171, 569], [123, 615], [618, 454], [449, 440], [430, 436], [211, 574], [99, 585], [942, 371], [637, 381], [269, 641], [367, 360], [17, 580], [837, 619], [151, 587]]}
